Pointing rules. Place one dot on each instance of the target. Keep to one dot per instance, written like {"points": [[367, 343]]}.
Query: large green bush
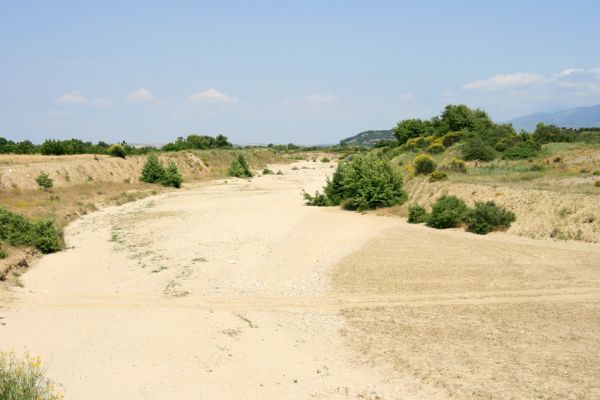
{"points": [[476, 149], [365, 182], [447, 212], [17, 230], [487, 217], [239, 167], [424, 164], [417, 214], [171, 177], [116, 150]]}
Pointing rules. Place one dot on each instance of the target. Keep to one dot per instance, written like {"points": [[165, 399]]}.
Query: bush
{"points": [[436, 148], [417, 214], [325, 160], [522, 151], [24, 379], [447, 212], [279, 172], [267, 171], [44, 181], [239, 167], [17, 230], [450, 138], [153, 170], [365, 182], [487, 217], [116, 150], [597, 183], [476, 149], [456, 165], [424, 164], [3, 253], [438, 176], [171, 176], [319, 199]]}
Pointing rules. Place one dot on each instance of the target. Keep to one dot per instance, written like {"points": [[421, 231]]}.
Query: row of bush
{"points": [[451, 212], [17, 230], [361, 183]]}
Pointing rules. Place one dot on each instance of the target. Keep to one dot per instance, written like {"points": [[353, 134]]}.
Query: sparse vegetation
{"points": [[44, 181], [417, 214], [239, 167], [23, 379]]}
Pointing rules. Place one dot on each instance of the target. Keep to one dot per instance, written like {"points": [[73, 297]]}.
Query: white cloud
{"points": [[101, 102], [141, 95], [71, 98], [211, 96], [320, 99], [406, 97], [506, 81]]}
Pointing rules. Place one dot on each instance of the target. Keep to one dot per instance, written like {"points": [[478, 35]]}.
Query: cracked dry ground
{"points": [[235, 289]]}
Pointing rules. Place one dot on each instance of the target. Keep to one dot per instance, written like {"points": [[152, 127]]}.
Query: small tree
{"points": [[424, 164], [172, 177], [153, 170], [239, 167], [44, 181], [116, 150]]}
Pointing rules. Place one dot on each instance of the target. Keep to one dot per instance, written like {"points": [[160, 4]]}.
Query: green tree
{"points": [[410, 128], [153, 170]]}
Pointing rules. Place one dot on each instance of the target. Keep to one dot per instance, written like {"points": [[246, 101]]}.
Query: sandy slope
{"points": [[210, 292], [223, 291]]}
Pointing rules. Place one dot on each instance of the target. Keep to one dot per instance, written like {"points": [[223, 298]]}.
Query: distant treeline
{"points": [[77, 146], [479, 136]]}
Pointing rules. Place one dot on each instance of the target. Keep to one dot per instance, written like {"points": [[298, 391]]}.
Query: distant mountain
{"points": [[368, 138], [581, 117]]}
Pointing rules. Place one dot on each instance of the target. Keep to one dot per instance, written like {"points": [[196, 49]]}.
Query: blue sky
{"points": [[303, 72]]}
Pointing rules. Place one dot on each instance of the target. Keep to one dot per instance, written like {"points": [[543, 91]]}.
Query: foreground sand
{"points": [[234, 289]]}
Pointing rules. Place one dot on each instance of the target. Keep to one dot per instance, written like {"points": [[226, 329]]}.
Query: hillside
{"points": [[368, 138], [580, 117]]}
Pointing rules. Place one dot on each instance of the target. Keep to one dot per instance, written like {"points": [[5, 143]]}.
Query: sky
{"points": [[307, 72]]}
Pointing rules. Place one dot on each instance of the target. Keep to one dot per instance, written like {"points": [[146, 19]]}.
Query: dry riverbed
{"points": [[234, 289]]}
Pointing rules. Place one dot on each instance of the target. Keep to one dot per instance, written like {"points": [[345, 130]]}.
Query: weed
{"points": [[23, 379]]}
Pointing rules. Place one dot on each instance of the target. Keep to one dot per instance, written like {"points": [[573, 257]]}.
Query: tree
{"points": [[410, 128], [153, 170], [44, 181]]}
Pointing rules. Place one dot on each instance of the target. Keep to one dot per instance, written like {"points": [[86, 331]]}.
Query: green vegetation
{"points": [[3, 253], [597, 184], [153, 171], [24, 379], [239, 167], [198, 142], [424, 164], [325, 160], [447, 212], [362, 183], [44, 181], [17, 230], [437, 176], [116, 150], [417, 214], [487, 217], [456, 165], [267, 171]]}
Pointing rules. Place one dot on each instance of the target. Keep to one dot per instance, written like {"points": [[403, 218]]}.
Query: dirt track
{"points": [[236, 290]]}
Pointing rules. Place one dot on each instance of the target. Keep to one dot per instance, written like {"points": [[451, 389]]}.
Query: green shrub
{"points": [[239, 167], [487, 217], [153, 170], [24, 379], [325, 160], [477, 149], [447, 212], [521, 151], [417, 214], [451, 138], [267, 171], [279, 172], [537, 168], [44, 181], [319, 199], [116, 150], [437, 176], [17, 230], [362, 183], [3, 253], [171, 176], [424, 164], [597, 183]]}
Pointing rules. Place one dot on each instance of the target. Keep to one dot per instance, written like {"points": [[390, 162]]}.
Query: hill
{"points": [[368, 138], [580, 117]]}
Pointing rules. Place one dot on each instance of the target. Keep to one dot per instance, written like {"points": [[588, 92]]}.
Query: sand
{"points": [[234, 289]]}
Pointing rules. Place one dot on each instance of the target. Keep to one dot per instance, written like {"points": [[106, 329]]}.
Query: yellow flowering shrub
{"points": [[23, 379]]}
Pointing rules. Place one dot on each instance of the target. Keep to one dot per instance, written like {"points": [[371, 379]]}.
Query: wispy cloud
{"points": [[506, 81], [141, 95], [406, 97], [211, 96], [567, 78], [71, 98], [101, 102]]}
